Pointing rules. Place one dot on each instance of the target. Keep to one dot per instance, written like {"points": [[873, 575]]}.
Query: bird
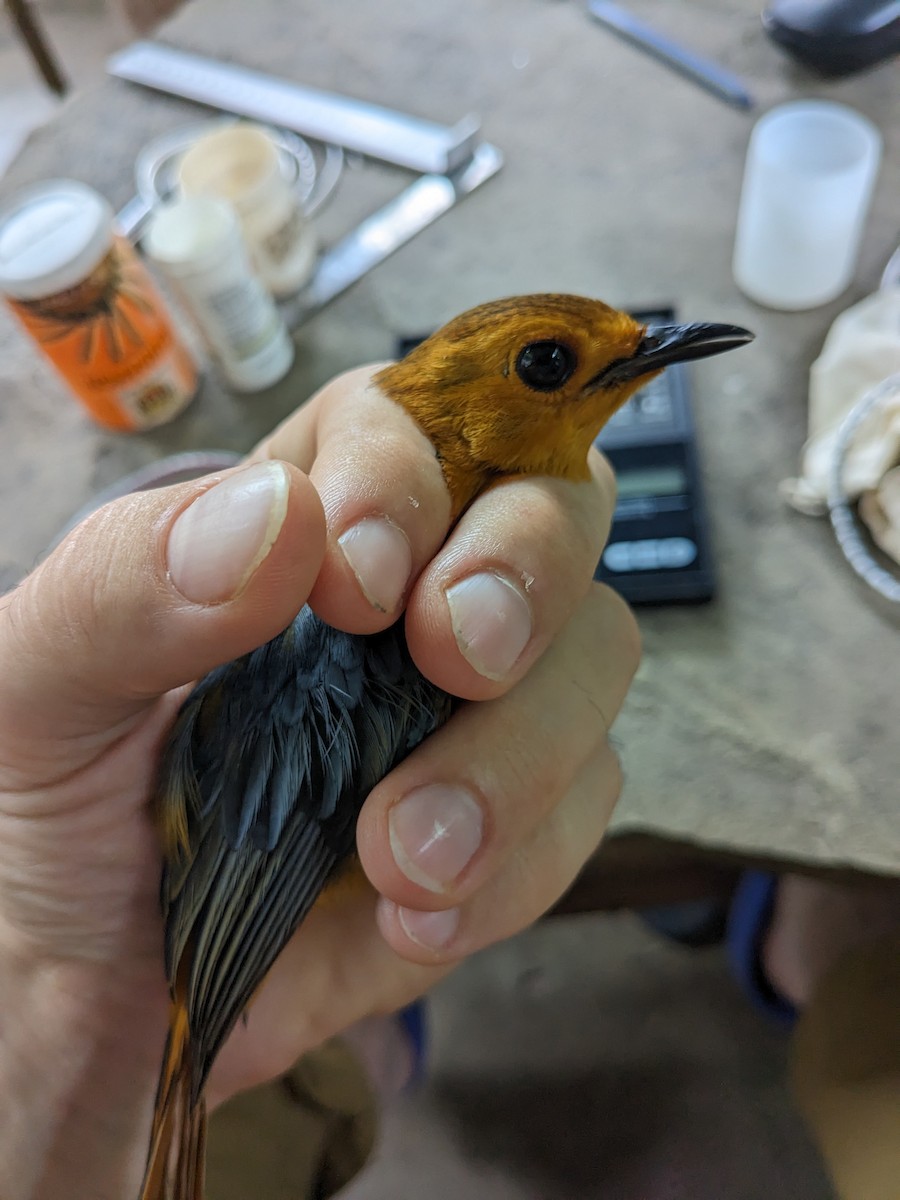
{"points": [[271, 756]]}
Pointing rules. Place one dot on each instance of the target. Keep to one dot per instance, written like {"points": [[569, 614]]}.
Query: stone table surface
{"points": [[765, 723]]}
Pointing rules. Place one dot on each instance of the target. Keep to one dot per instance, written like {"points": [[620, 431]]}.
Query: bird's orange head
{"points": [[524, 385]]}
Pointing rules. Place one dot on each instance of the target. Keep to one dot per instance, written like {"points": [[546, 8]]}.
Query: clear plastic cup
{"points": [[811, 167]]}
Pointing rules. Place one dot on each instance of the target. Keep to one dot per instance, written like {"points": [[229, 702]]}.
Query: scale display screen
{"points": [[659, 549], [664, 480]]}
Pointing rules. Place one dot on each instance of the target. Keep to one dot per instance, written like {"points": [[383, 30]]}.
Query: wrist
{"points": [[80, 1049]]}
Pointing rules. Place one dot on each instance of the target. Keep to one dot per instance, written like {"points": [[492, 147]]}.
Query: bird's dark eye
{"points": [[545, 366]]}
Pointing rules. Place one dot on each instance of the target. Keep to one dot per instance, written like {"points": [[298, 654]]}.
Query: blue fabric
{"points": [[748, 920], [414, 1020]]}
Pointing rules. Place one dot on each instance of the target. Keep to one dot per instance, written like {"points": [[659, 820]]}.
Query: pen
{"points": [[709, 75]]}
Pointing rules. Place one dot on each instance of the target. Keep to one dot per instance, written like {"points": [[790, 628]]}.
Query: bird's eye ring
{"points": [[545, 366]]}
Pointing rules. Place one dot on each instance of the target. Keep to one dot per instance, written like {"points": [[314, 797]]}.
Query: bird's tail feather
{"points": [[175, 1163]]}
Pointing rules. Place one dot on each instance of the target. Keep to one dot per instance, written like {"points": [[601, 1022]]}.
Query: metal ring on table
{"points": [[313, 181], [327, 177], [176, 468], [846, 527]]}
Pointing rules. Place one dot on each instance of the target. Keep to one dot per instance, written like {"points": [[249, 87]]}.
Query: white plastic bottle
{"points": [[239, 163], [197, 244]]}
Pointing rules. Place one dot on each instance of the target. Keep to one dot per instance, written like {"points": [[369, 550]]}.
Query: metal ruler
{"points": [[377, 132], [453, 159]]}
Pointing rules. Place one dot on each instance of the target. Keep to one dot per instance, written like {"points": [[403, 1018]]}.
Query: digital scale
{"points": [[658, 550], [659, 547]]}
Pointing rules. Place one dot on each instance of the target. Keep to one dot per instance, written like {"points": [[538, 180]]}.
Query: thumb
{"points": [[148, 593]]}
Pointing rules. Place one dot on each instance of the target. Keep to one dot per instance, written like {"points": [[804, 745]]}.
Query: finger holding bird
{"points": [[385, 498], [510, 575], [543, 536]]}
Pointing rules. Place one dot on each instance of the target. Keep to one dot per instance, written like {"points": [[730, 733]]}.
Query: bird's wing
{"points": [[270, 761]]}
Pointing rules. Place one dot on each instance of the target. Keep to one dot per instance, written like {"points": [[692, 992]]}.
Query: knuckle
{"points": [[543, 532], [618, 624], [349, 387], [519, 776], [607, 770], [577, 527], [79, 581], [604, 476], [629, 635], [380, 460]]}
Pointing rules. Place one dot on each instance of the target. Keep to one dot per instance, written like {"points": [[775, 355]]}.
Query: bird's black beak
{"points": [[663, 345]]}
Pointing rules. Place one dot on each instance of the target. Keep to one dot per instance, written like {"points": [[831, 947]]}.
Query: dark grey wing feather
{"points": [[272, 893], [273, 756]]}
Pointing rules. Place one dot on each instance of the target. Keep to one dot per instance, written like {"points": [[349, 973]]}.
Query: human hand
{"points": [[550, 656], [146, 594], [154, 590]]}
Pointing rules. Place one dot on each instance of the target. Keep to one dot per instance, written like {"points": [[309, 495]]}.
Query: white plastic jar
{"points": [[197, 244], [240, 163], [81, 292]]}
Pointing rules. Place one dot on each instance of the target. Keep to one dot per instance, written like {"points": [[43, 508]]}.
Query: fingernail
{"points": [[379, 555], [431, 930], [435, 831], [492, 622], [217, 544]]}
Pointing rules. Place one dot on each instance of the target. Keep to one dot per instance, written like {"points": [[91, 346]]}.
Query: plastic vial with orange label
{"points": [[82, 293]]}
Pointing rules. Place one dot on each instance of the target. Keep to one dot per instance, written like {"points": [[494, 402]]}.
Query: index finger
{"points": [[386, 503]]}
